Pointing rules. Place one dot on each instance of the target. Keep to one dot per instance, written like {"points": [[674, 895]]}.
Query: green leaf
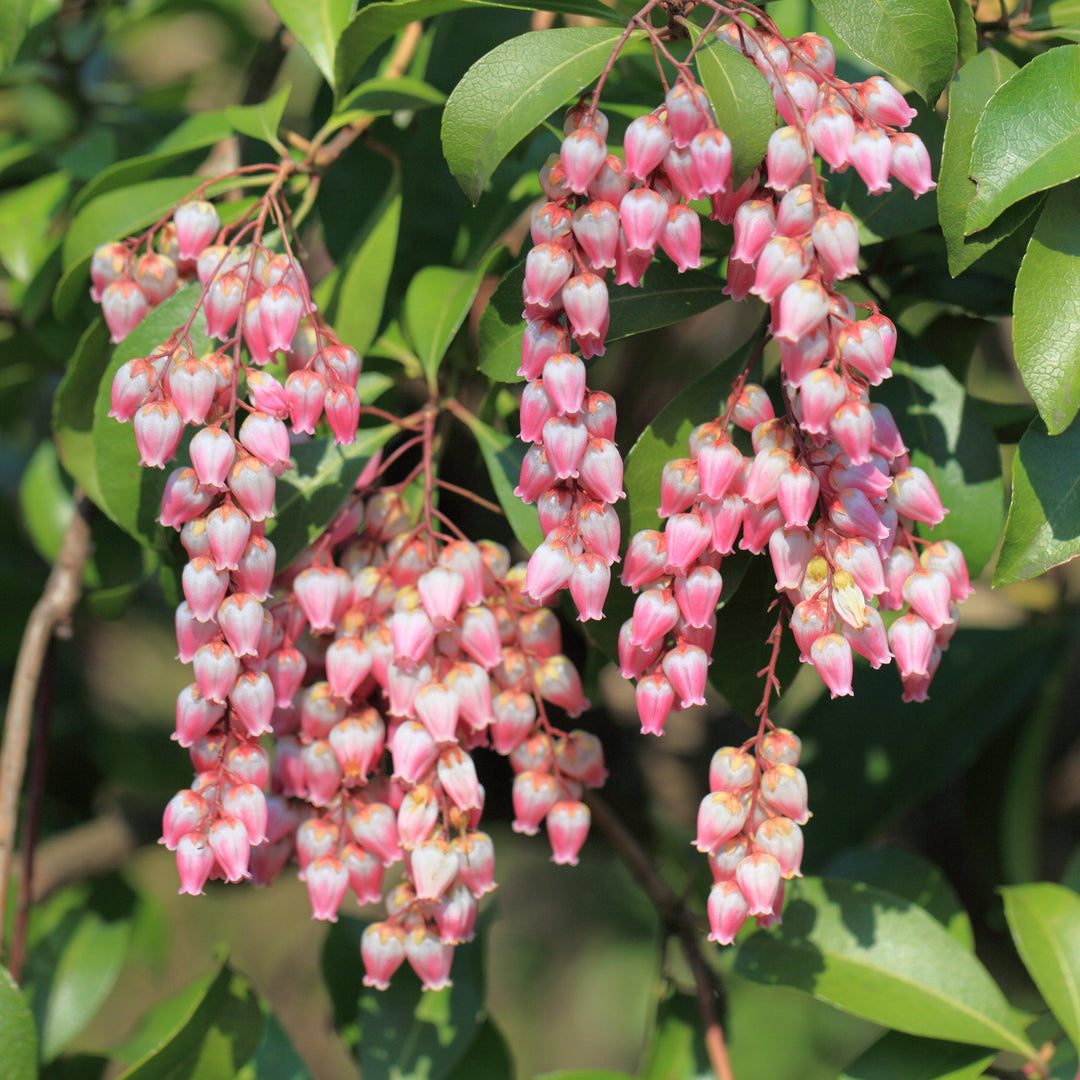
{"points": [[276, 1057], [915, 40], [676, 1049], [309, 495], [742, 101], [967, 33], [436, 303], [73, 407], [14, 20], [26, 212], [375, 23], [79, 947], [511, 90], [1044, 919], [358, 299], [906, 873], [488, 1057], [1043, 527], [378, 96], [318, 25], [896, 1056], [215, 1038], [952, 441], [969, 92], [1028, 138], [263, 120], [18, 1037], [130, 494], [1046, 310], [503, 456], [1047, 14], [665, 297], [880, 957], [584, 1074]]}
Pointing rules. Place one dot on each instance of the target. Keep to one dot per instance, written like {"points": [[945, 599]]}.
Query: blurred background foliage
{"points": [[982, 783]]}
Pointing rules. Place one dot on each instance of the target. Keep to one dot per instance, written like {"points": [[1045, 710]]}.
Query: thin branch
{"points": [[679, 920], [466, 494], [53, 610]]}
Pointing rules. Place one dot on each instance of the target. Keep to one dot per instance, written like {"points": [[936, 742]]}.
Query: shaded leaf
{"points": [[1045, 922], [488, 1057], [906, 873], [318, 25], [14, 21], [897, 1056], [1028, 138], [375, 23], [511, 90], [676, 1050], [18, 1037], [880, 957], [743, 104], [952, 441], [1043, 527], [263, 120], [1046, 310], [666, 297], [967, 33], [915, 40]]}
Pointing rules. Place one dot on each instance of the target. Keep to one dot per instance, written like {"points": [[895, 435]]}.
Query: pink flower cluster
{"points": [[374, 666], [603, 215], [749, 826]]}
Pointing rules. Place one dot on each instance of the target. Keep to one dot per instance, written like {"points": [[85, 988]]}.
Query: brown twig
{"points": [[62, 592], [679, 920]]}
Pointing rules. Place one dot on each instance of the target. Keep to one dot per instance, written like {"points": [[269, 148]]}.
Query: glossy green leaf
{"points": [[897, 1056], [1028, 138], [318, 25], [665, 297], [503, 456], [310, 494], [969, 92], [18, 1036], [915, 40], [437, 302], [676, 1049], [1045, 922], [986, 680], [743, 104], [1043, 527], [263, 120], [73, 407], [26, 234], [906, 873], [967, 33], [130, 494], [374, 23], [358, 299], [215, 1038], [511, 90], [880, 957], [1046, 310], [952, 441]]}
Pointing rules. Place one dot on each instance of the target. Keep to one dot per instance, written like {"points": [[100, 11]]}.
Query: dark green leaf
{"points": [[969, 92], [905, 752], [883, 958], [907, 874], [488, 1057], [1045, 922], [358, 299], [516, 86], [1028, 138], [503, 455], [263, 120], [1043, 527], [318, 25], [18, 1037], [967, 33], [276, 1057], [896, 1056], [214, 1040], [436, 303], [952, 441], [309, 495], [73, 407], [666, 297], [375, 23], [743, 104], [915, 40], [1046, 310], [676, 1050]]}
